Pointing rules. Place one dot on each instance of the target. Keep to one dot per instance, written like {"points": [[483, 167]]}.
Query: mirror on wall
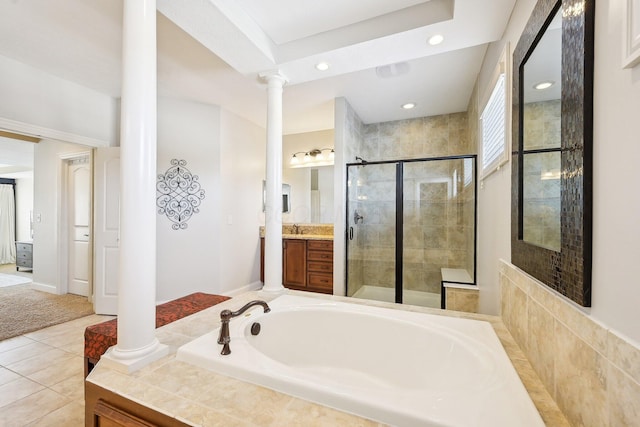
{"points": [[552, 164], [310, 174], [541, 117]]}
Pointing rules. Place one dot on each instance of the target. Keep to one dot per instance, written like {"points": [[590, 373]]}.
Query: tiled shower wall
{"points": [[592, 373], [439, 214]]}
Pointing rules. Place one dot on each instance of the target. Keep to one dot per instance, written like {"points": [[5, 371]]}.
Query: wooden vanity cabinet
{"points": [[320, 266], [103, 408], [307, 264], [294, 262]]}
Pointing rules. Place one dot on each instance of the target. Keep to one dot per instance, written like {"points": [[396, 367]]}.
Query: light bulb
{"points": [[294, 160], [332, 154], [307, 157]]}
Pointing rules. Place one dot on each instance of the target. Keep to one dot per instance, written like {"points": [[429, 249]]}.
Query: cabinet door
{"points": [[294, 262]]}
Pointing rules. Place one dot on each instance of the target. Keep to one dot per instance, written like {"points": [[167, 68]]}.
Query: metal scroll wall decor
{"points": [[179, 194]]}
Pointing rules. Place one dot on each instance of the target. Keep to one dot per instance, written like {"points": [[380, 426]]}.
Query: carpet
{"points": [[24, 310], [11, 280]]}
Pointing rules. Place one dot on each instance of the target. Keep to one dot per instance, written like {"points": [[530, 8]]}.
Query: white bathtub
{"points": [[396, 367]]}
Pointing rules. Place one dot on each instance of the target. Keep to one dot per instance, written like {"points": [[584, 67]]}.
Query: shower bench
{"points": [[455, 278], [99, 337]]}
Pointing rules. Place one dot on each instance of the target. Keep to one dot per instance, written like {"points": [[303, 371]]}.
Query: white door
{"points": [[106, 229], [79, 216]]}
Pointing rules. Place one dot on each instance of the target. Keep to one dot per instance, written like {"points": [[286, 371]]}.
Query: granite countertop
{"points": [[305, 231], [308, 236], [200, 397]]}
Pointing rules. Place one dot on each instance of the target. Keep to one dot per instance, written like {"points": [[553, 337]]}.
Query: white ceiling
{"points": [[81, 41]]}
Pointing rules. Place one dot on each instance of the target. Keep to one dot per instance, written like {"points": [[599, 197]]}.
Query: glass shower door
{"points": [[371, 231], [438, 226]]}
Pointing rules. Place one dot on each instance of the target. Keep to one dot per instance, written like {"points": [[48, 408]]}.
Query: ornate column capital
{"points": [[273, 78]]}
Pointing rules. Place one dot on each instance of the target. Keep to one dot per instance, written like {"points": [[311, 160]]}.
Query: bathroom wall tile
{"points": [[541, 350], [624, 355], [581, 325], [581, 380], [624, 398], [462, 300], [515, 314]]}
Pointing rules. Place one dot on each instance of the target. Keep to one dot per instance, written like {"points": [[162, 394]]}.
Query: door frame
{"points": [[63, 221]]}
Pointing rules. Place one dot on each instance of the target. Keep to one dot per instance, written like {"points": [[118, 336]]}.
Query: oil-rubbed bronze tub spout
{"points": [[227, 315]]}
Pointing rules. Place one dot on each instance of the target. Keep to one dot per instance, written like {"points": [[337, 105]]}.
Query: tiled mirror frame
{"points": [[567, 271]]}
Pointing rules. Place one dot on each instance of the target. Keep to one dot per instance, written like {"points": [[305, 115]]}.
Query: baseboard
{"points": [[250, 287], [44, 288]]}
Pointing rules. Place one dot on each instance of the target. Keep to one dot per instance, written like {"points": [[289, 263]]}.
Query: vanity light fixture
{"points": [[409, 105], [322, 66], [436, 39], [543, 85], [315, 157]]}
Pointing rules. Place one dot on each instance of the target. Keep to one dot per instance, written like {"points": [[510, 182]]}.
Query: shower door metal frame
{"points": [[399, 235]]}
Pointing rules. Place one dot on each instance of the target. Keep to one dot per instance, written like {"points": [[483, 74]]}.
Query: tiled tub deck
{"points": [[196, 396]]}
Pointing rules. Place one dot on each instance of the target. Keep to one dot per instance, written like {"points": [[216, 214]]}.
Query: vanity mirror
{"points": [[552, 133]]}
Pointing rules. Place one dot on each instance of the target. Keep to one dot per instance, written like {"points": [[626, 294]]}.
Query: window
{"points": [[494, 122]]}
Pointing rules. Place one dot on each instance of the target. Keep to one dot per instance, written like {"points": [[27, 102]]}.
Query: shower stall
{"points": [[408, 220]]}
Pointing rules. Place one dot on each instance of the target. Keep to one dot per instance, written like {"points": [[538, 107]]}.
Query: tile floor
{"points": [[42, 376]]}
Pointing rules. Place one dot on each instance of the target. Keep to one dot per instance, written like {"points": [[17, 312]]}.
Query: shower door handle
{"points": [[350, 233]]}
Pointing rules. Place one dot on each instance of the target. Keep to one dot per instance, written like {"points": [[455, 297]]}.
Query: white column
{"points": [[273, 200], [137, 344]]}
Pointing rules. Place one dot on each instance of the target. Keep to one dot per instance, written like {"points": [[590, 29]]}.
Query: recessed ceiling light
{"points": [[436, 39], [543, 85], [409, 105], [322, 66]]}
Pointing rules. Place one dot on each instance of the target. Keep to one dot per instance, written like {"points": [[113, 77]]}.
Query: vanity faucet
{"points": [[227, 315], [296, 228]]}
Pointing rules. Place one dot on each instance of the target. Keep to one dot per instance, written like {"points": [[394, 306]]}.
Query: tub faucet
{"points": [[227, 315]]}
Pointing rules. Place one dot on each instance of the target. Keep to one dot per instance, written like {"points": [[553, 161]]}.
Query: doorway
{"points": [[408, 220]]}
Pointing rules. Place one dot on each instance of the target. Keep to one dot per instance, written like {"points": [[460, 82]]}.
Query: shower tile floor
{"points": [[379, 293]]}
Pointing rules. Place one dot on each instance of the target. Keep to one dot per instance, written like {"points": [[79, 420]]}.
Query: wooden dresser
{"points": [[24, 255]]}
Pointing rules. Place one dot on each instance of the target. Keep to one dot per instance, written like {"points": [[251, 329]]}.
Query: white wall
{"points": [[243, 162], [47, 196], [616, 230], [616, 154], [219, 250], [35, 97], [24, 207], [494, 194], [188, 260]]}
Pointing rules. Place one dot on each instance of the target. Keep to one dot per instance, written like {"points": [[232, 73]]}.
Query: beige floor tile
{"points": [[16, 390], [72, 387], [32, 408], [16, 342], [70, 367], [70, 415], [43, 360], [7, 376], [20, 353]]}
